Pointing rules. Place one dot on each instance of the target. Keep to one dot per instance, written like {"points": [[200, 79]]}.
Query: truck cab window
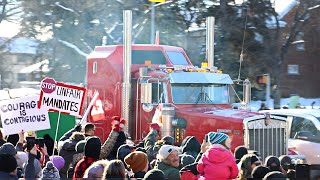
{"points": [[157, 93], [155, 56], [177, 58], [199, 93], [305, 127]]}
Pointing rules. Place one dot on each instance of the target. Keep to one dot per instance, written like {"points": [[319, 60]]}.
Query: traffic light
{"points": [[263, 79]]}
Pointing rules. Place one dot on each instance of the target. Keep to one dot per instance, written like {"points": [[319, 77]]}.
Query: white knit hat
{"points": [[165, 151]]}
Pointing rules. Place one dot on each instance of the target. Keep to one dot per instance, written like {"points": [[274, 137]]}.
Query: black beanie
{"points": [[92, 147], [270, 160], [154, 174], [123, 151], [259, 172], [239, 152], [284, 159], [8, 163]]}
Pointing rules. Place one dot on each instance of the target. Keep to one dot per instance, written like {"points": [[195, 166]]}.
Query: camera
{"points": [[31, 141]]}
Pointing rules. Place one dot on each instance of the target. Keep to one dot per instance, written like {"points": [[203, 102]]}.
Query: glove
{"points": [[118, 125]]}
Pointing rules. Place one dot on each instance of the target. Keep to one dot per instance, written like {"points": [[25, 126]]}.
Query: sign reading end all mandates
{"points": [[61, 97]]}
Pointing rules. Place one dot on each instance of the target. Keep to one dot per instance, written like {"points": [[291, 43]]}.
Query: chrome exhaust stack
{"points": [[127, 56], [210, 41]]}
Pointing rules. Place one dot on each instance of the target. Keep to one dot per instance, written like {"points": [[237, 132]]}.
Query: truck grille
{"points": [[267, 137]]}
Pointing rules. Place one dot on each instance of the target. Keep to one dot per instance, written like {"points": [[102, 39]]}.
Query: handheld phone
{"points": [[40, 142], [31, 141]]}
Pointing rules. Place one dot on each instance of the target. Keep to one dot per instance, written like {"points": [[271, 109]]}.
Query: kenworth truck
{"points": [[133, 79]]}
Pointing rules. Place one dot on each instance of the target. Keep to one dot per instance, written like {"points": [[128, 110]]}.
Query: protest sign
{"points": [[61, 97], [23, 114]]}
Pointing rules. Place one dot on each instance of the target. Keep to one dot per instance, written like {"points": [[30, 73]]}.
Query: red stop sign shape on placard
{"points": [[48, 85]]}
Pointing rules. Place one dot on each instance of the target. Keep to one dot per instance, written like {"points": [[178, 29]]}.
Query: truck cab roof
{"points": [[157, 54]]}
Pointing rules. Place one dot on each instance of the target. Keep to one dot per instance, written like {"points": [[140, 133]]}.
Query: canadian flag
{"points": [[157, 117], [97, 112]]}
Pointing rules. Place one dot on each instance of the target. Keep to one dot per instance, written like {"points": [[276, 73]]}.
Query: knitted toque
{"points": [[216, 138], [137, 161]]}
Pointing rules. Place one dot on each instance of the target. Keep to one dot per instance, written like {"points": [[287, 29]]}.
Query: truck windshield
{"points": [[199, 93], [177, 58]]}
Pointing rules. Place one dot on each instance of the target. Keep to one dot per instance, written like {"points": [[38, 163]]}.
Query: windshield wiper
{"points": [[203, 96]]}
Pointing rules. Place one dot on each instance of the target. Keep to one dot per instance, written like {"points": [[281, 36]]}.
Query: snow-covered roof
{"points": [[282, 7], [42, 66]]}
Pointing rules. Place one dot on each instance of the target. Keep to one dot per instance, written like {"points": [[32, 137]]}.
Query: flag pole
{"points": [[94, 98]]}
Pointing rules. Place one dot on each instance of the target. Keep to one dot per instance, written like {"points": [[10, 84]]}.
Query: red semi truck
{"points": [[194, 100]]}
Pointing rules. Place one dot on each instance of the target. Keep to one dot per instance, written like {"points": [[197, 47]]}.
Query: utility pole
{"points": [[153, 14], [152, 23]]}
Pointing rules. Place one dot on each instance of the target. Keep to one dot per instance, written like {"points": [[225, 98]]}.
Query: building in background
{"points": [[20, 66], [301, 67]]}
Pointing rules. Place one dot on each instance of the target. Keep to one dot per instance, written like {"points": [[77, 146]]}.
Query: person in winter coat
{"points": [[247, 163], [239, 152], [115, 170], [259, 172], [8, 167], [218, 162], [92, 150], [150, 140], [32, 168], [154, 174], [121, 140], [168, 161], [273, 163], [191, 146], [115, 139], [285, 162], [68, 150], [96, 170], [50, 171]]}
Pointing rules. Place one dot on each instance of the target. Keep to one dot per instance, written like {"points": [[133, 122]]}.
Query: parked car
{"points": [[304, 132]]}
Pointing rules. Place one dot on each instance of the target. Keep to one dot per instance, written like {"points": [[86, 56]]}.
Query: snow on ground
{"points": [[304, 103]]}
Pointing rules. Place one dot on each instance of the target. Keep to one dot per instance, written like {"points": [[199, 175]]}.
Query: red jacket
{"points": [[218, 163]]}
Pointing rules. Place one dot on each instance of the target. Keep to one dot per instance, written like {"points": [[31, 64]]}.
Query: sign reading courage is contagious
{"points": [[61, 97], [23, 114]]}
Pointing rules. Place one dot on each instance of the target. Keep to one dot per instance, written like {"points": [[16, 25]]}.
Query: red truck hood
{"points": [[202, 119], [218, 111]]}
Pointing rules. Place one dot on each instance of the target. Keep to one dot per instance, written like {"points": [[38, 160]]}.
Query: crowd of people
{"points": [[80, 154]]}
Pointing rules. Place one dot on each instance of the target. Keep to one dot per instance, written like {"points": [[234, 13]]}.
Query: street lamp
{"points": [[153, 5]]}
